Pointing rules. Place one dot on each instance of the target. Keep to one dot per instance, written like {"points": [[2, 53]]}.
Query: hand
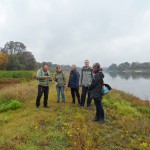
{"points": [[46, 76], [67, 88]]}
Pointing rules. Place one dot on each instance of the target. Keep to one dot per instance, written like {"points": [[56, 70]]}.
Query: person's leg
{"points": [[58, 94], [73, 95], [46, 92], [63, 94], [83, 95], [99, 110], [88, 99], [39, 95], [96, 115], [78, 95]]}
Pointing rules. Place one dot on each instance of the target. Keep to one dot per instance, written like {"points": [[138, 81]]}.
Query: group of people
{"points": [[90, 79]]}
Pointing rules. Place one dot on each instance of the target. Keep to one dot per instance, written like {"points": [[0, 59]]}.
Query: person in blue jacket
{"points": [[73, 84]]}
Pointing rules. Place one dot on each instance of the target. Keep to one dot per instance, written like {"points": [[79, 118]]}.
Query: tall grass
{"points": [[66, 126]]}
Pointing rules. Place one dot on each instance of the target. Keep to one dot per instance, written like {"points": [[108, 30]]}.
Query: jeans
{"points": [[41, 90], [61, 90], [83, 96], [75, 91], [99, 107]]}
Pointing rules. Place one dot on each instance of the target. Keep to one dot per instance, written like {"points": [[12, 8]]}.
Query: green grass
{"points": [[68, 127], [17, 74]]}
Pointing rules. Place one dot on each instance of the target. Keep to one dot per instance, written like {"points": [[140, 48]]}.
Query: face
{"points": [[72, 68], [86, 63], [94, 70], [58, 69], [45, 67]]}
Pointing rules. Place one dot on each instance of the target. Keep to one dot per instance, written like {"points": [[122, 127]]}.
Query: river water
{"points": [[135, 83]]}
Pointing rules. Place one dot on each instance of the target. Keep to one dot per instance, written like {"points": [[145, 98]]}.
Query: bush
{"points": [[9, 105]]}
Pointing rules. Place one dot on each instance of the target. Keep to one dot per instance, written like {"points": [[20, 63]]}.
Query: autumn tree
{"points": [[3, 61]]}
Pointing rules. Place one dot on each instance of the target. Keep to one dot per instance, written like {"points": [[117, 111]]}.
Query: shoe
{"points": [[101, 121], [88, 105], [46, 107], [96, 119]]}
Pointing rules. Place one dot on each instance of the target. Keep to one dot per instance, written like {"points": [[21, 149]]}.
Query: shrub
{"points": [[9, 105]]}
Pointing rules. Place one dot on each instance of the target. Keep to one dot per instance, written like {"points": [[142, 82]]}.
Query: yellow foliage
{"points": [[3, 60]]}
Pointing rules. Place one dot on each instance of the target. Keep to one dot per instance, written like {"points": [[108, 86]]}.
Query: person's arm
{"points": [[95, 82], [69, 81], [77, 79], [81, 78], [64, 77], [39, 74]]}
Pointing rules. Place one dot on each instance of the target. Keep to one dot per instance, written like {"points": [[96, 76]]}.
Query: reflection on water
{"points": [[128, 75], [136, 83]]}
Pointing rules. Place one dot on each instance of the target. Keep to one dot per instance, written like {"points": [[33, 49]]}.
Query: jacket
{"points": [[96, 86], [41, 79], [60, 79], [74, 79], [86, 76]]}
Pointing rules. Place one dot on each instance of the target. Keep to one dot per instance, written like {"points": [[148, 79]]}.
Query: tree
{"points": [[13, 62], [3, 61], [27, 60], [113, 67], [13, 47]]}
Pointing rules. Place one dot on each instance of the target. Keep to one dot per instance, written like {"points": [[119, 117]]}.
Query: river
{"points": [[135, 83]]}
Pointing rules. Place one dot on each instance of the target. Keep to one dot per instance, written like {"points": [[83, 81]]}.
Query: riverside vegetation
{"points": [[66, 126]]}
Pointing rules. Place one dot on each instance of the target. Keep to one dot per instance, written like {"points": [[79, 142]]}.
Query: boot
{"points": [[96, 119], [101, 121]]}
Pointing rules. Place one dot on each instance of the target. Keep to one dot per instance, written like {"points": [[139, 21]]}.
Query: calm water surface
{"points": [[136, 83]]}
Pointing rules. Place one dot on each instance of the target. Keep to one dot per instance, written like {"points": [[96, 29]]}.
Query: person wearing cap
{"points": [[85, 81], [73, 84], [96, 92], [60, 80], [44, 78]]}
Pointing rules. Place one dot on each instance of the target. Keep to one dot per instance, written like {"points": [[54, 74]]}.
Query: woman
{"points": [[73, 84], [96, 92], [60, 80]]}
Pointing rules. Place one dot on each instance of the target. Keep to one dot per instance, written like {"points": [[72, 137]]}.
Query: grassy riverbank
{"points": [[65, 126]]}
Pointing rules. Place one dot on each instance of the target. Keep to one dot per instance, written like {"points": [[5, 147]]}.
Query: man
{"points": [[44, 78], [86, 78], [60, 80], [96, 92], [73, 84]]}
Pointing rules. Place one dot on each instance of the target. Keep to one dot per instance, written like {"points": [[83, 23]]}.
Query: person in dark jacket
{"points": [[73, 84], [96, 92]]}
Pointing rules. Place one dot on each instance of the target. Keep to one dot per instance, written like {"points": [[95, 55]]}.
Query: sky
{"points": [[70, 31]]}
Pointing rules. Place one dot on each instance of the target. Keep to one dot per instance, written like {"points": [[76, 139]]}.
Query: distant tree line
{"points": [[14, 56], [129, 66]]}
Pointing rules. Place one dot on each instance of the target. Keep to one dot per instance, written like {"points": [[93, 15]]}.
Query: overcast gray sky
{"points": [[70, 31]]}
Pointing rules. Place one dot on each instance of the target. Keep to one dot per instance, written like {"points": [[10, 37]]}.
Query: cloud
{"points": [[69, 31]]}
